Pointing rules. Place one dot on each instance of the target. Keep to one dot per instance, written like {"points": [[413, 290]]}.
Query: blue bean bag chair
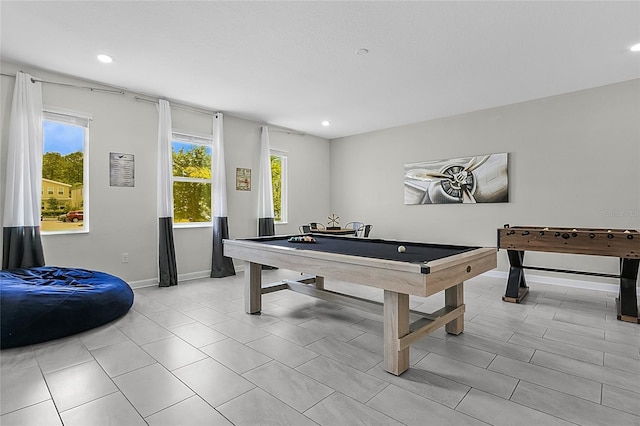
{"points": [[45, 303]]}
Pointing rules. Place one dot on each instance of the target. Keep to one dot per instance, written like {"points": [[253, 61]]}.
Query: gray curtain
{"points": [[21, 242], [266, 226], [22, 247], [221, 266], [168, 273], [167, 269]]}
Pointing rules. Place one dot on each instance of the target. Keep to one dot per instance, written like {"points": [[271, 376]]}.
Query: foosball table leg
{"points": [[516, 284], [627, 302]]}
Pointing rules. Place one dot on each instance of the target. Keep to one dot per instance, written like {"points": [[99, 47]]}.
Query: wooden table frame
{"points": [[399, 280]]}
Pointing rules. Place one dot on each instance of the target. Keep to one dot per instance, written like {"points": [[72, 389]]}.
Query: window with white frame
{"points": [[191, 178], [279, 183], [65, 165]]}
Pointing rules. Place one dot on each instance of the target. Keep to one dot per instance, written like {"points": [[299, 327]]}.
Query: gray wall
{"points": [[123, 220], [573, 161]]}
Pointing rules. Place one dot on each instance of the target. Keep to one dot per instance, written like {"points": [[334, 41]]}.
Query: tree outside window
{"points": [[191, 179], [279, 185], [276, 181]]}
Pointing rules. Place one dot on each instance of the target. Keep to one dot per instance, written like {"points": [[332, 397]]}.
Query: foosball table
{"points": [[621, 243]]}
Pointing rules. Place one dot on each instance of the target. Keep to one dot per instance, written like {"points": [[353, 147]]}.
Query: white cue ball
{"points": [[402, 249]]}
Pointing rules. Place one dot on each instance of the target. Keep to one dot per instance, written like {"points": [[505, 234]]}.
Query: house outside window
{"points": [[279, 184], [191, 179], [64, 172]]}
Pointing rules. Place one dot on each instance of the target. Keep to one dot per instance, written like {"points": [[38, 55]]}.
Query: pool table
{"points": [[421, 270]]}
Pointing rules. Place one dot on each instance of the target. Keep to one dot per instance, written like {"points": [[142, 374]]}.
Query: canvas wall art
{"points": [[466, 180]]}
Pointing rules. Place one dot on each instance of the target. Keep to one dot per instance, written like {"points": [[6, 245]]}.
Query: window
{"points": [[191, 178], [64, 171], [279, 183]]}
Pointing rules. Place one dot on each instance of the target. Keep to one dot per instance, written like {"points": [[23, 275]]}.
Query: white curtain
{"points": [[266, 222], [22, 245], [167, 272], [221, 266]]}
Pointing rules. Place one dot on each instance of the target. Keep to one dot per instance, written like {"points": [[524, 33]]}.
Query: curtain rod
{"points": [[289, 132], [138, 98], [210, 113], [93, 89], [179, 106]]}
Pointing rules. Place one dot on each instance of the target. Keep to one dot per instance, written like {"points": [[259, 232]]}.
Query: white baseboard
{"points": [[565, 282], [194, 275], [143, 283], [181, 277]]}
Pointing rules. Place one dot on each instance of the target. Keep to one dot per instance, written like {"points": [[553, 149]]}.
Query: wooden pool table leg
{"points": [[454, 297], [252, 288], [396, 325]]}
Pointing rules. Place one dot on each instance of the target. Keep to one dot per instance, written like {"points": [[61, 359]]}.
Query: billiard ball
{"points": [[402, 249]]}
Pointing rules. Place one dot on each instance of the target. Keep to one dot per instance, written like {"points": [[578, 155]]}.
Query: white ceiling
{"points": [[293, 64]]}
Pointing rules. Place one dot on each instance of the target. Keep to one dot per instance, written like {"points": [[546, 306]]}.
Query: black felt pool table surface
{"points": [[373, 248]]}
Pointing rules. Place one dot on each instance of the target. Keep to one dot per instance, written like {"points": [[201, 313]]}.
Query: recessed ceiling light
{"points": [[635, 48], [326, 123], [361, 52], [105, 59]]}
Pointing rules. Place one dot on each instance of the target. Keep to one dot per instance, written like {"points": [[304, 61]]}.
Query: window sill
{"points": [[46, 233], [192, 225]]}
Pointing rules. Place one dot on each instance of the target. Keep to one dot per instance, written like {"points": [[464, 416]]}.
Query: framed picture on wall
{"points": [[121, 170], [243, 179], [465, 180]]}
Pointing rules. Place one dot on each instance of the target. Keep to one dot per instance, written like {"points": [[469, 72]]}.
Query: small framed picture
{"points": [[243, 179]]}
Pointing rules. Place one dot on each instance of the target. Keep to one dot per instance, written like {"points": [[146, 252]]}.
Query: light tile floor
{"points": [[189, 355]]}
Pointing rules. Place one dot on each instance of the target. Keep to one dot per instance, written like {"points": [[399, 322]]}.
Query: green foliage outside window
{"points": [[63, 168], [191, 202], [276, 179], [191, 199], [52, 204]]}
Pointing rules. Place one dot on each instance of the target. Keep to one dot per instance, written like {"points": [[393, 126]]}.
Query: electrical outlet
{"points": [[125, 257]]}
